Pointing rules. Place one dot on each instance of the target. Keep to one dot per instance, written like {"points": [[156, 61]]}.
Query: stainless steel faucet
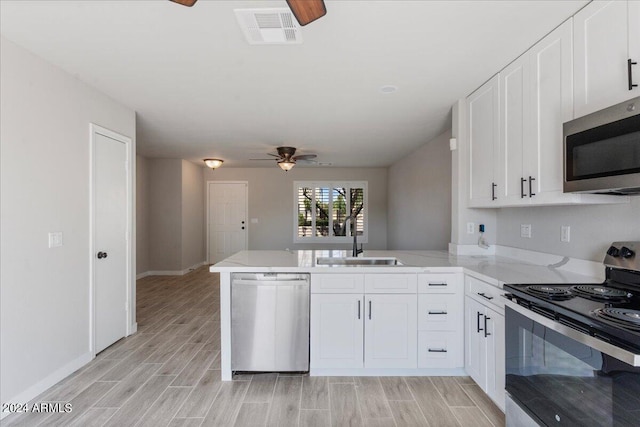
{"points": [[355, 251]]}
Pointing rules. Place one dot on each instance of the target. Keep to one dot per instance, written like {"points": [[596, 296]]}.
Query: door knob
{"points": [[101, 255]]}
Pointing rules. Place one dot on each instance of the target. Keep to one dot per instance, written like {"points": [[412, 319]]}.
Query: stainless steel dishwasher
{"points": [[270, 322]]}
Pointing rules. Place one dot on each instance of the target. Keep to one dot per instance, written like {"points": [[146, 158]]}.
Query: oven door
{"points": [[559, 380]]}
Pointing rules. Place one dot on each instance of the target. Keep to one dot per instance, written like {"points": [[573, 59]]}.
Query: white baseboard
{"points": [[51, 379], [171, 272], [375, 372]]}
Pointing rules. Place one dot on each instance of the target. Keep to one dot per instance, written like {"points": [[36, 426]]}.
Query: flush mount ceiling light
{"points": [[213, 163], [286, 165], [388, 88]]}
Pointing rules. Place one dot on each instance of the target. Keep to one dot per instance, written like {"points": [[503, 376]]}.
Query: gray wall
{"points": [[142, 215], [193, 249], [419, 198], [165, 214], [593, 228], [271, 202], [44, 174]]}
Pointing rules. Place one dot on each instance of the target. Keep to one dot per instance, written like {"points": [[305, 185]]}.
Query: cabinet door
{"points": [[475, 343], [484, 134], [552, 105], [601, 37], [337, 330], [514, 108], [495, 357], [391, 331]]}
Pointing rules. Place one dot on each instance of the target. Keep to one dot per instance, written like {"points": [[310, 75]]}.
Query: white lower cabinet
{"points": [[337, 330], [484, 342], [390, 329], [371, 331], [391, 321]]}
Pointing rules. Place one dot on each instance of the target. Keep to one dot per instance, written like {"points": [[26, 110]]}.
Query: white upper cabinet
{"points": [[515, 103], [606, 37], [515, 129], [483, 108], [551, 89]]}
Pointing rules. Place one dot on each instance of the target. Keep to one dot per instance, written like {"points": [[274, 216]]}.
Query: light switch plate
{"points": [[470, 228], [254, 220], [525, 230], [55, 239], [565, 234]]}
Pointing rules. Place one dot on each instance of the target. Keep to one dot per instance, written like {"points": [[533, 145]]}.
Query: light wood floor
{"points": [[168, 374]]}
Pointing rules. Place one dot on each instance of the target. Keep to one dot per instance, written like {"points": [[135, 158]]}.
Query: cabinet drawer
{"points": [[440, 349], [390, 283], [439, 312], [443, 283], [337, 283], [483, 291]]}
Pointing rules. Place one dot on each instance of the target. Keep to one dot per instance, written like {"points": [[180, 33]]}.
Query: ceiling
{"points": [[200, 90]]}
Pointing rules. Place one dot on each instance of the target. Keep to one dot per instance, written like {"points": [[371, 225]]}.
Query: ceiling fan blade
{"points": [[271, 160], [305, 157], [274, 155], [188, 3], [307, 11]]}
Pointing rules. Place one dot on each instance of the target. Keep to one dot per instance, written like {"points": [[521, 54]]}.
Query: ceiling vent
{"points": [[269, 26]]}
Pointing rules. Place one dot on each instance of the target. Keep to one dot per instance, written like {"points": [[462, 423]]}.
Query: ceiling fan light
{"points": [[286, 165], [213, 163]]}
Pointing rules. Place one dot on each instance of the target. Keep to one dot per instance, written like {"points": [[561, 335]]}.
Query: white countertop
{"points": [[493, 269]]}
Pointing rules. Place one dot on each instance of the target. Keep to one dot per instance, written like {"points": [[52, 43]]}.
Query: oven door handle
{"points": [[621, 354]]}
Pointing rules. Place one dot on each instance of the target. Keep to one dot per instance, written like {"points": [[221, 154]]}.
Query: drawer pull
{"points": [[437, 350], [437, 284], [437, 312], [483, 295]]}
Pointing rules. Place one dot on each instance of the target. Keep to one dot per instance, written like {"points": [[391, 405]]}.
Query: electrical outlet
{"points": [[55, 239], [471, 228], [565, 233], [525, 230]]}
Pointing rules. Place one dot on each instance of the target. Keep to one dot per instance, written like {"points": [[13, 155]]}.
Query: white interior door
{"points": [[110, 242], [227, 218]]}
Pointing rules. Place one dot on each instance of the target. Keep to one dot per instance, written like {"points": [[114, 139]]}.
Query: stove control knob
{"points": [[613, 251], [625, 252]]}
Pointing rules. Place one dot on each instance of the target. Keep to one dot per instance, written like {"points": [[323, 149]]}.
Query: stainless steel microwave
{"points": [[602, 151]]}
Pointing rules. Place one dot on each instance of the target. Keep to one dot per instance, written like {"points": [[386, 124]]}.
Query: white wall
{"points": [[44, 157], [142, 215], [419, 198], [193, 230], [593, 228], [271, 202]]}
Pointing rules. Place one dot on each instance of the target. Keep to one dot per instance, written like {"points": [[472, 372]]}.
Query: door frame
{"points": [[131, 323], [208, 213]]}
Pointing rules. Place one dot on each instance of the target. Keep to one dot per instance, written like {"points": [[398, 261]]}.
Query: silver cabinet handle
{"points": [[369, 309], [437, 284], [437, 312], [437, 350], [358, 309]]}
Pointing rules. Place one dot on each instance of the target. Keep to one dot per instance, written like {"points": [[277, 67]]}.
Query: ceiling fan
{"points": [[287, 159], [305, 11]]}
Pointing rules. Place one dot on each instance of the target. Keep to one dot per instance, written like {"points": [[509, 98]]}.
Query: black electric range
{"points": [[609, 310], [573, 350]]}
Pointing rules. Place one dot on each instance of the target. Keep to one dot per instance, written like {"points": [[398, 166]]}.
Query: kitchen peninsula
{"points": [[433, 285]]}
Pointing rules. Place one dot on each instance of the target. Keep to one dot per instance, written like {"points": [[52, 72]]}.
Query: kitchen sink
{"points": [[364, 261]]}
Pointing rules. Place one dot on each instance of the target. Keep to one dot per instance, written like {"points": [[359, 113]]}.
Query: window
{"points": [[321, 210]]}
